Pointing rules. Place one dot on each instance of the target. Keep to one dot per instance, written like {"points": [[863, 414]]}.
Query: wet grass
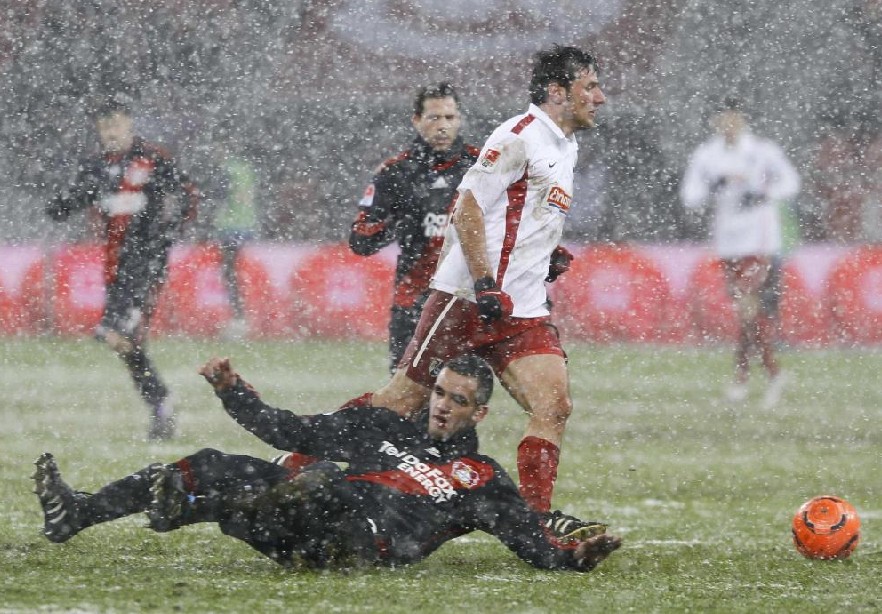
{"points": [[701, 491]]}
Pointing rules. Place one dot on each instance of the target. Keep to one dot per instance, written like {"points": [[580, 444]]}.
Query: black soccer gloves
{"points": [[493, 303], [561, 259]]}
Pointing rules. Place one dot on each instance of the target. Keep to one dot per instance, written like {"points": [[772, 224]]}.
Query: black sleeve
{"points": [[80, 195], [328, 436], [374, 227], [171, 180], [500, 510]]}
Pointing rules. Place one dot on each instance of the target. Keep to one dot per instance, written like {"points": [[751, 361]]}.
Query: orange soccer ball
{"points": [[826, 527]]}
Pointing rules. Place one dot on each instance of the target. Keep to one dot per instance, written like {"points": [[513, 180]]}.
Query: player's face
{"points": [[730, 124], [584, 97], [439, 123], [452, 405], [115, 132]]}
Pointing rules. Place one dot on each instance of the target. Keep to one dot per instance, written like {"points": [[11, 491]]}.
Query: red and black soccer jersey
{"points": [[417, 493], [123, 188], [408, 201]]}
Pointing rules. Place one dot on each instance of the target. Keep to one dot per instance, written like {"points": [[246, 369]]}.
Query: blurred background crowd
{"points": [[313, 94]]}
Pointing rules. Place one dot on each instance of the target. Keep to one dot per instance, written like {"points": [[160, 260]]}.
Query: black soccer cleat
{"points": [[169, 499], [60, 503], [569, 528]]}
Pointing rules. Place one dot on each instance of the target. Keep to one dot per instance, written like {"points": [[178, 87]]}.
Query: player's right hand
{"points": [[219, 373], [493, 303], [58, 209]]}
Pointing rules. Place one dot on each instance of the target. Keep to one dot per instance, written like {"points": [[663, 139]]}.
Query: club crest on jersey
{"points": [[435, 367], [489, 158], [464, 474], [367, 199], [558, 198]]}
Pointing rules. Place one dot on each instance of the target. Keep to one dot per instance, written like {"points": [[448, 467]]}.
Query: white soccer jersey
{"points": [[523, 182], [751, 165]]}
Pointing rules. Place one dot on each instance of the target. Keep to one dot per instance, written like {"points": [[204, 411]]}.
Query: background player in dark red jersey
{"points": [[141, 199], [408, 200]]}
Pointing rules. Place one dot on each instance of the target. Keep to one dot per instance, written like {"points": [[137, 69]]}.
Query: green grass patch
{"points": [[701, 491]]}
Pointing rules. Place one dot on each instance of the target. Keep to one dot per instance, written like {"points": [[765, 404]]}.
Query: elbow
{"points": [[361, 245]]}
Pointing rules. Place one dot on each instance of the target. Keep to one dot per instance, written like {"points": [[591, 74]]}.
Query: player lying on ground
{"points": [[410, 486]]}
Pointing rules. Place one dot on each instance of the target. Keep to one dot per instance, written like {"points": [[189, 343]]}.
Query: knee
{"points": [[205, 457], [557, 411], [120, 344]]}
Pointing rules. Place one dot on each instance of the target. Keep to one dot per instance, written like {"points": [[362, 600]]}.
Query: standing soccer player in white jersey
{"points": [[488, 293], [745, 178]]}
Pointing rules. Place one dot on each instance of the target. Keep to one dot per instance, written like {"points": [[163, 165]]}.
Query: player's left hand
{"points": [[593, 550], [561, 259]]}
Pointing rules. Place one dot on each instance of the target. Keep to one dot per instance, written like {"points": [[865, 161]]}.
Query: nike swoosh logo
{"points": [[551, 164]]}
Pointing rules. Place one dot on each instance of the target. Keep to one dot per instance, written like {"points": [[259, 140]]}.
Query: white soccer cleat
{"points": [[775, 391], [736, 392]]}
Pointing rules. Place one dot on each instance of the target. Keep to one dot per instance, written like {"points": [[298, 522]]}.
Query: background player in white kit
{"points": [[744, 179], [501, 246]]}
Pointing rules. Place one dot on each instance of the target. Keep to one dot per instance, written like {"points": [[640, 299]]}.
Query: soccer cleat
{"points": [[59, 501], [775, 391], [737, 392], [569, 528], [162, 422], [170, 502]]}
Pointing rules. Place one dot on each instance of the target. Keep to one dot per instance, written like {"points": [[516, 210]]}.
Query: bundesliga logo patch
{"points": [[560, 199], [367, 198], [489, 158]]}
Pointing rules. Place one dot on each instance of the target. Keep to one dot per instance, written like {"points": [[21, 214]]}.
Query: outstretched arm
{"points": [[279, 428], [498, 508], [328, 436]]}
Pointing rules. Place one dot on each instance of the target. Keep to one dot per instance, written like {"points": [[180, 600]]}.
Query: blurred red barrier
{"points": [[22, 298], [856, 297], [806, 316], [339, 294], [194, 300], [677, 264], [265, 272], [611, 293], [641, 293], [78, 288], [711, 309]]}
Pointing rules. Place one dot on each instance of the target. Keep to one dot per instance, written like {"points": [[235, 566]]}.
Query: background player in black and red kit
{"points": [[408, 200], [410, 485], [141, 199]]}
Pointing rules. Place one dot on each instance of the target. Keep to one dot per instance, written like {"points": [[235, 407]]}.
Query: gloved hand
{"points": [[493, 303], [59, 209], [717, 185], [561, 259], [752, 199]]}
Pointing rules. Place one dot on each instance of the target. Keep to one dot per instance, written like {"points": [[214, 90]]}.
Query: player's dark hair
{"points": [[436, 90], [111, 106], [469, 365], [559, 65]]}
